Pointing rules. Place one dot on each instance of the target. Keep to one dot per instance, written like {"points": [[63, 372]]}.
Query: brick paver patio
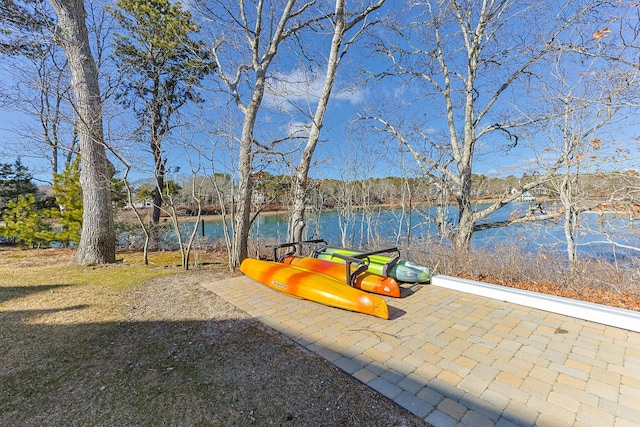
{"points": [[457, 359]]}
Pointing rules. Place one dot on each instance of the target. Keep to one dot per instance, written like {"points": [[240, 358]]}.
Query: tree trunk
{"points": [[263, 41], [98, 240], [154, 242], [461, 237], [300, 193], [570, 217], [260, 65], [240, 248], [466, 221]]}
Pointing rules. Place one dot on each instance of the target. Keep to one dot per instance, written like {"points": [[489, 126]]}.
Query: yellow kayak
{"points": [[314, 286]]}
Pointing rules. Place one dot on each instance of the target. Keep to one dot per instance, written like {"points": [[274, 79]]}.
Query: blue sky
{"points": [[349, 148]]}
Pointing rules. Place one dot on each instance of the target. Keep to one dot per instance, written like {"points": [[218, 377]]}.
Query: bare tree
{"points": [[343, 22], [244, 54], [465, 60], [589, 98], [42, 92], [40, 88], [186, 245], [98, 240]]}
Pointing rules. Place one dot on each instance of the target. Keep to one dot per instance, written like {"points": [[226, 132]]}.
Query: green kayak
{"points": [[401, 270]]}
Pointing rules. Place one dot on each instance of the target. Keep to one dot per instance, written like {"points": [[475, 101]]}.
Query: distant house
{"points": [[526, 197], [258, 197], [139, 205]]}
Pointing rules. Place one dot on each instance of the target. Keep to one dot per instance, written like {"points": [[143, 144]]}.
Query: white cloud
{"points": [[303, 89], [300, 129], [429, 130]]}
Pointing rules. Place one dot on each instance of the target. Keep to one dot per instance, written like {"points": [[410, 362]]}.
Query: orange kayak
{"points": [[366, 281], [314, 286]]}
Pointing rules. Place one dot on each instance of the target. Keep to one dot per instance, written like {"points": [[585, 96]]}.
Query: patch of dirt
{"points": [[261, 376], [34, 258]]}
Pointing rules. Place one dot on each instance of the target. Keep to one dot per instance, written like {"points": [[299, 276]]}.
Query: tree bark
{"points": [[245, 191], [158, 198], [98, 240]]}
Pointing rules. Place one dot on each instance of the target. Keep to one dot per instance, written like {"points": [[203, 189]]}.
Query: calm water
{"points": [[596, 235]]}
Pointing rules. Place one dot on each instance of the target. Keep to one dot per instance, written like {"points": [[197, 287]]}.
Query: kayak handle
{"points": [[388, 266], [352, 276], [381, 251], [317, 251], [290, 244]]}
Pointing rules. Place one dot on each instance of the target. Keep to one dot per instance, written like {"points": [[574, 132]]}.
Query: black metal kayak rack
{"points": [[350, 276]]}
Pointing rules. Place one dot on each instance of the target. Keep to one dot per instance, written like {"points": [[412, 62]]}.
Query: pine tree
{"points": [[15, 180], [68, 212], [164, 65], [25, 224]]}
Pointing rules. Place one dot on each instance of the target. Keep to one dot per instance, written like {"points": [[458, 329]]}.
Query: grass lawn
{"points": [[132, 345]]}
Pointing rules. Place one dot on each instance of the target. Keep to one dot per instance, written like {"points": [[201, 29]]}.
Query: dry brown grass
{"points": [[596, 281], [131, 345]]}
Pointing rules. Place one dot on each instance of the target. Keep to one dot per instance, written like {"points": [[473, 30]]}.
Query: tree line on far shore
{"points": [[35, 216]]}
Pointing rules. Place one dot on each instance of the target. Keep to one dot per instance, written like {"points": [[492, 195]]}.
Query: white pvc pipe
{"points": [[618, 317]]}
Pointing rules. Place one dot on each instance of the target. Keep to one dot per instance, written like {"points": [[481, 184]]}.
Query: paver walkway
{"points": [[457, 359]]}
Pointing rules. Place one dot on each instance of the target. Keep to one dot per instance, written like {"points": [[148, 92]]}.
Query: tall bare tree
{"points": [[588, 103], [98, 239], [40, 83], [244, 53], [613, 45], [343, 21], [40, 86], [472, 65]]}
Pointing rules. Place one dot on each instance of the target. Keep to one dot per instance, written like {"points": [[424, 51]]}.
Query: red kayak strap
{"points": [[295, 245], [285, 256]]}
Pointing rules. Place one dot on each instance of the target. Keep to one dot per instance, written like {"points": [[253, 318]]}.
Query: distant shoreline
{"points": [[128, 216]]}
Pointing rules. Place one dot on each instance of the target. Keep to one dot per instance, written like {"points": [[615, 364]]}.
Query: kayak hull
{"points": [[314, 286], [366, 281], [402, 271]]}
